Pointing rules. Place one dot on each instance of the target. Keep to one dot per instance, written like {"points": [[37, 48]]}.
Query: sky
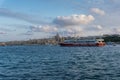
{"points": [[36, 19]]}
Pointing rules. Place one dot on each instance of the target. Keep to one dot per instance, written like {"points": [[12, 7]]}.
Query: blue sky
{"points": [[34, 19]]}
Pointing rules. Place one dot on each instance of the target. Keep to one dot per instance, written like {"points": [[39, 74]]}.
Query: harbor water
{"points": [[59, 63]]}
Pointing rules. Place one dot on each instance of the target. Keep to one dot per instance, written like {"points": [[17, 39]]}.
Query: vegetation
{"points": [[112, 38]]}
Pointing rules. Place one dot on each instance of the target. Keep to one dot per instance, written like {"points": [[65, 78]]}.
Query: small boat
{"points": [[78, 42]]}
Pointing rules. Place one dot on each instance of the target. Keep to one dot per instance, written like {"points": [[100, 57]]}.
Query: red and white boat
{"points": [[72, 43]]}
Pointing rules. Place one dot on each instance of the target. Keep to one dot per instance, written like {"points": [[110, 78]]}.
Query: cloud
{"points": [[20, 16], [27, 33], [2, 32], [6, 29], [74, 29], [44, 28], [71, 31], [99, 27], [117, 1], [116, 30], [72, 25], [98, 11], [94, 28], [73, 20]]}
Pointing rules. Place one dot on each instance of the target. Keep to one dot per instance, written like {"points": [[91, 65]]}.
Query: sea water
{"points": [[59, 63]]}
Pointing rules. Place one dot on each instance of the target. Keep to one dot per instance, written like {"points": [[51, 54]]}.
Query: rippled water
{"points": [[59, 63]]}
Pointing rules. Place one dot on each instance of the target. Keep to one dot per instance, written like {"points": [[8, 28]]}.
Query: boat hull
{"points": [[82, 45]]}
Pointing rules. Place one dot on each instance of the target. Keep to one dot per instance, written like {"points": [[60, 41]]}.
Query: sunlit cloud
{"points": [[73, 31], [43, 28], [73, 20], [98, 11], [94, 28]]}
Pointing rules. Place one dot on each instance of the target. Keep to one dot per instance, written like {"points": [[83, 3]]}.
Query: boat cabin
{"points": [[79, 42]]}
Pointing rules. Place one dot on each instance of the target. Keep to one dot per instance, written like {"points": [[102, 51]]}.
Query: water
{"points": [[59, 63]]}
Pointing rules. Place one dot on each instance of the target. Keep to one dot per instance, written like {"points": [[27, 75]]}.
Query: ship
{"points": [[87, 43]]}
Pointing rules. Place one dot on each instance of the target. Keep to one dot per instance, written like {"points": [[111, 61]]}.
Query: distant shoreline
{"points": [[109, 39]]}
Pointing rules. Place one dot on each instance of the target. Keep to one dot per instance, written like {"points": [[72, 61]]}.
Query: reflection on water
{"points": [[59, 63]]}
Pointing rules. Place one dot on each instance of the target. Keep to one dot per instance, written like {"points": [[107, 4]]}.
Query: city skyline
{"points": [[34, 19]]}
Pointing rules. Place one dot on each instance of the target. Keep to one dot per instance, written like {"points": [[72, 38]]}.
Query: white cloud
{"points": [[94, 28], [45, 28], [73, 20], [98, 11], [72, 31], [99, 27], [116, 30]]}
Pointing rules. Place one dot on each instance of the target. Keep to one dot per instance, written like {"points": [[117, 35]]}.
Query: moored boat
{"points": [[96, 42]]}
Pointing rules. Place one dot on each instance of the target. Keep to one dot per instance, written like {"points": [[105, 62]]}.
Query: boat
{"points": [[78, 42]]}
